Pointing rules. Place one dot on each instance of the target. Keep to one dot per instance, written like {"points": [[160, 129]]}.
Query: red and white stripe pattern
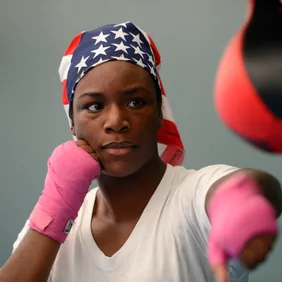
{"points": [[170, 145]]}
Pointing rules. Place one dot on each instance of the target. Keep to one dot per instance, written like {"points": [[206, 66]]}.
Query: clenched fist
{"points": [[70, 173], [87, 148]]}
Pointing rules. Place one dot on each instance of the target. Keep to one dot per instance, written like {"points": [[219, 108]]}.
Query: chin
{"points": [[121, 169]]}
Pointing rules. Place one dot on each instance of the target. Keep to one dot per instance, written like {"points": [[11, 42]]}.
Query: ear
{"points": [[73, 129]]}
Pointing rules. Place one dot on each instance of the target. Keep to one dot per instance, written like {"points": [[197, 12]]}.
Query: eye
{"points": [[136, 103], [95, 107]]}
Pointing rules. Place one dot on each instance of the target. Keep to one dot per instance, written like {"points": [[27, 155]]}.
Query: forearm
{"points": [[243, 208], [32, 260], [268, 184], [64, 191]]}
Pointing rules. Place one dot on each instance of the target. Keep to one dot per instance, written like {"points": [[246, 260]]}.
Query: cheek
{"points": [[85, 127], [151, 122], [146, 129]]}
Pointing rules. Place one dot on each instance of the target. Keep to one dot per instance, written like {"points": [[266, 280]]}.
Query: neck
{"points": [[126, 197]]}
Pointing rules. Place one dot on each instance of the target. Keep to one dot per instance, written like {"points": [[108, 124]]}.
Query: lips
{"points": [[119, 149], [118, 145]]}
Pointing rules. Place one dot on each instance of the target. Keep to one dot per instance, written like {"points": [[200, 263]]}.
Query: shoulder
{"points": [[194, 188], [212, 173], [206, 175], [192, 185]]}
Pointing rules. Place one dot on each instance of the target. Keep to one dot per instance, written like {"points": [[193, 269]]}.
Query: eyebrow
{"points": [[90, 94], [134, 89], [129, 91]]}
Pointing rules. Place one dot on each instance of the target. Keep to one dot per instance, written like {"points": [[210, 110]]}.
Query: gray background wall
{"points": [[191, 36]]}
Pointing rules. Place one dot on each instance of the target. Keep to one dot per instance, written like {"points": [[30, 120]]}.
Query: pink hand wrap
{"points": [[238, 212], [70, 173]]}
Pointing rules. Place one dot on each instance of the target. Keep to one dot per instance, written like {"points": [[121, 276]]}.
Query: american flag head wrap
{"points": [[124, 42]]}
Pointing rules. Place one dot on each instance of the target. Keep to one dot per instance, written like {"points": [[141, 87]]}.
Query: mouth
{"points": [[118, 145], [119, 148]]}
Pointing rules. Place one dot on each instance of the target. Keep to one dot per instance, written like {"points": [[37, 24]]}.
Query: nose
{"points": [[116, 120]]}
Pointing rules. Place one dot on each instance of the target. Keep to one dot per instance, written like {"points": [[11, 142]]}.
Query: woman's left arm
{"points": [[270, 187], [243, 208]]}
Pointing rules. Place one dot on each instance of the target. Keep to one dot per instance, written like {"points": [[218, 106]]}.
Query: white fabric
{"points": [[168, 243], [166, 110], [64, 67]]}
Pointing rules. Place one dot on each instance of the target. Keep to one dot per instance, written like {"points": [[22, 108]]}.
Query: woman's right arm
{"points": [[71, 169], [32, 260]]}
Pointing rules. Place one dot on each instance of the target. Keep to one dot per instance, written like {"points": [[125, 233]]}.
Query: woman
{"points": [[150, 219]]}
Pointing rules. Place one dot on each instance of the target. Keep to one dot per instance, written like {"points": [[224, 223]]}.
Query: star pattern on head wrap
{"points": [[118, 42]]}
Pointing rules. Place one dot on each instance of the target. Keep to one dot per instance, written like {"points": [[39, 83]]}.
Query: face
{"points": [[115, 110]]}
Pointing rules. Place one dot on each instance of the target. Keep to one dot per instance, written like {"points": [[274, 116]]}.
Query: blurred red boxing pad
{"points": [[248, 85]]}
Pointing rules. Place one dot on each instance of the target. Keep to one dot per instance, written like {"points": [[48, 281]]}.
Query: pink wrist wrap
{"points": [[70, 173], [238, 212]]}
